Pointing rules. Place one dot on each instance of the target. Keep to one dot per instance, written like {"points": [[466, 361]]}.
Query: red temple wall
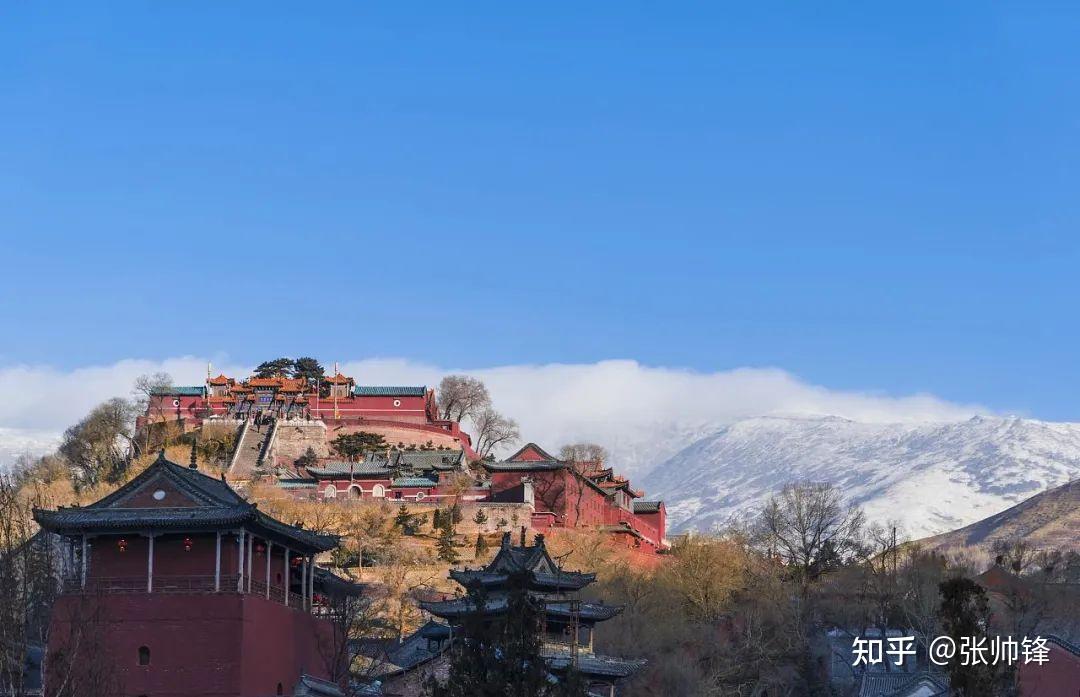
{"points": [[106, 559], [1059, 677], [570, 502], [224, 645]]}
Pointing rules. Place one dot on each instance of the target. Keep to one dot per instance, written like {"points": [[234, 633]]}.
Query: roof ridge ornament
{"points": [[194, 456]]}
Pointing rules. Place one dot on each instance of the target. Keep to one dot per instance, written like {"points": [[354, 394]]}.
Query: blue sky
{"points": [[872, 198]]}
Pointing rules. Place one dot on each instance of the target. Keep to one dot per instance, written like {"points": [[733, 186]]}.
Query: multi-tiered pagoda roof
{"points": [[568, 622]]}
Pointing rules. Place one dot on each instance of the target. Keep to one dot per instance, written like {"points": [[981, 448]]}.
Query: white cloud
{"points": [[642, 413]]}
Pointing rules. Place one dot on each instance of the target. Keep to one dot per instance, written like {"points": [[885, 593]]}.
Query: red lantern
{"points": [[122, 544], [296, 561], [188, 544]]}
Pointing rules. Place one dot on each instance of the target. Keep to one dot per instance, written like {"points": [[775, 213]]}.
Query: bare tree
{"points": [[809, 527], [493, 430], [1014, 553], [460, 397], [583, 453], [145, 388]]}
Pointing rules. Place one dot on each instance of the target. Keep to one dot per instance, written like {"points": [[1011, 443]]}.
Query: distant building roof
{"points": [[315, 687], [428, 642], [593, 665], [903, 685], [180, 391], [647, 506], [366, 468], [297, 483], [524, 465], [389, 391], [413, 482], [523, 452], [431, 459]]}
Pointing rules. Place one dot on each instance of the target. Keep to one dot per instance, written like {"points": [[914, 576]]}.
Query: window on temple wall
{"points": [[378, 491], [330, 493], [144, 655]]}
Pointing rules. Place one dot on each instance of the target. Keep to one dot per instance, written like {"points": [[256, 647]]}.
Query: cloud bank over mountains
{"points": [[642, 413]]}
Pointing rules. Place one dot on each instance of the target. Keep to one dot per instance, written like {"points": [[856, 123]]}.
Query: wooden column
{"points": [[250, 561], [311, 585], [83, 561], [150, 565], [269, 549], [303, 583], [217, 563], [286, 577], [240, 561]]}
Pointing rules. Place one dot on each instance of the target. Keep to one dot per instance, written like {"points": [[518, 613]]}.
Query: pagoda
{"points": [[567, 622], [188, 590]]}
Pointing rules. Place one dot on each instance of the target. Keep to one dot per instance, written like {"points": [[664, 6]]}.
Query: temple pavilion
{"points": [[568, 622], [192, 591]]}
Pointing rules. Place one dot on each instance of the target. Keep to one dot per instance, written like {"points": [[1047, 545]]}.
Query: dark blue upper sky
{"points": [[870, 197]]}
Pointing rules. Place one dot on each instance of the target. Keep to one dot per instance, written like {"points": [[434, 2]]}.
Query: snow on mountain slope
{"points": [[931, 477], [17, 441]]}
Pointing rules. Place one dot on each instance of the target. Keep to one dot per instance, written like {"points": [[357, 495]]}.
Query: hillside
{"points": [[1050, 520], [932, 477]]}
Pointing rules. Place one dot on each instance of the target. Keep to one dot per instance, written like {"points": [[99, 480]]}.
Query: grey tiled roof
{"points": [[593, 665], [596, 612], [902, 684], [647, 506], [181, 391], [379, 464], [216, 505], [524, 466], [367, 468], [315, 687], [414, 482], [389, 391], [567, 580], [414, 650], [431, 459], [296, 483]]}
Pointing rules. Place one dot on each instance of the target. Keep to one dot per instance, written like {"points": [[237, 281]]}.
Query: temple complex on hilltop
{"points": [[566, 628], [285, 428], [175, 586], [404, 412]]}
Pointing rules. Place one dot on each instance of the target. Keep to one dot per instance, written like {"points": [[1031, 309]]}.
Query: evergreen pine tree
{"points": [[445, 544], [308, 459], [480, 518], [404, 520], [481, 546], [965, 612]]}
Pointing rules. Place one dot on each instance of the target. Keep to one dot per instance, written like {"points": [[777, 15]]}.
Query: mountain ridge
{"points": [[931, 477]]}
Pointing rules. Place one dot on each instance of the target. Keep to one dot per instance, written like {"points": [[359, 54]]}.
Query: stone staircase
{"points": [[250, 450]]}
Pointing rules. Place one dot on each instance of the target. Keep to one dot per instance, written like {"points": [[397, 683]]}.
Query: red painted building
{"points": [[1058, 676], [335, 399], [177, 587], [578, 494]]}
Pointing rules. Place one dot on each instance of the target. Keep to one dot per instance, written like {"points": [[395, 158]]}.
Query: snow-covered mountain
{"points": [[17, 441], [931, 477]]}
